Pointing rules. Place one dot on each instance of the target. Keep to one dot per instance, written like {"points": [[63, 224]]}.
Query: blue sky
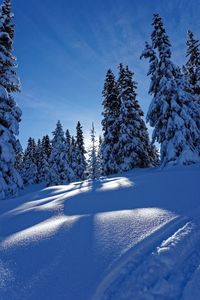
{"points": [[64, 49]]}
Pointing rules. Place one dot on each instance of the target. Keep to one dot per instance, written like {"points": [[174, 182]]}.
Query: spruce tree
{"points": [[153, 154], [192, 66], [73, 157], [19, 155], [29, 169], [133, 137], [192, 103], [59, 170], [110, 123], [8, 77], [68, 147], [99, 157], [10, 114], [92, 160], [169, 112], [42, 163], [46, 145], [80, 161]]}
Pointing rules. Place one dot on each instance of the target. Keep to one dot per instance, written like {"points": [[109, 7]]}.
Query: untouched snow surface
{"points": [[134, 236]]}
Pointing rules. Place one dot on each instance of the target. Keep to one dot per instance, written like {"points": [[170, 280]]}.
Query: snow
{"points": [[132, 236]]}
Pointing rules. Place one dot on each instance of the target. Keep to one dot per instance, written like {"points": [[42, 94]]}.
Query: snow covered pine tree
{"points": [[46, 145], [10, 114], [169, 112], [41, 162], [79, 162], [29, 167], [99, 157], [192, 66], [59, 170], [92, 160], [111, 126], [134, 143]]}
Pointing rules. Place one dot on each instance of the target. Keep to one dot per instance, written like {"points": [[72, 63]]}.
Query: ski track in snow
{"points": [[169, 271]]}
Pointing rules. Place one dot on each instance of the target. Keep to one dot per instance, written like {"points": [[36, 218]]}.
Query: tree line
{"points": [[59, 160]]}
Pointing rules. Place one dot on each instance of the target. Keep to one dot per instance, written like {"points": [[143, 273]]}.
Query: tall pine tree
{"points": [[80, 160], [111, 125], [8, 77], [169, 112], [192, 66], [10, 114], [133, 138]]}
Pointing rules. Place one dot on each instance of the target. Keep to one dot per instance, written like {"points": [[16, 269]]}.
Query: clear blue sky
{"points": [[64, 49]]}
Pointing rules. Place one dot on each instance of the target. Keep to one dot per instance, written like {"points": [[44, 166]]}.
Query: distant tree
{"points": [[68, 147], [169, 111], [46, 145], [41, 162], [99, 157], [29, 169], [73, 157], [93, 160], [110, 123], [59, 170], [80, 160], [154, 156], [192, 66]]}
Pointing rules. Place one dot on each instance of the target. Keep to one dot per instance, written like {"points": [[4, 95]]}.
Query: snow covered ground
{"points": [[132, 236]]}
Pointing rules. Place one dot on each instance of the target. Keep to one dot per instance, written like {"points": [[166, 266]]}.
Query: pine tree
{"points": [[153, 155], [37, 152], [68, 147], [191, 80], [10, 114], [29, 169], [169, 112], [73, 157], [92, 160], [100, 157], [46, 145], [19, 155], [192, 66], [110, 123], [193, 105], [80, 161], [8, 77], [42, 163], [133, 138], [150, 53], [59, 171]]}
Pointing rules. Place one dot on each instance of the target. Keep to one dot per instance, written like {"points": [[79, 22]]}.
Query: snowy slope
{"points": [[136, 234]]}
